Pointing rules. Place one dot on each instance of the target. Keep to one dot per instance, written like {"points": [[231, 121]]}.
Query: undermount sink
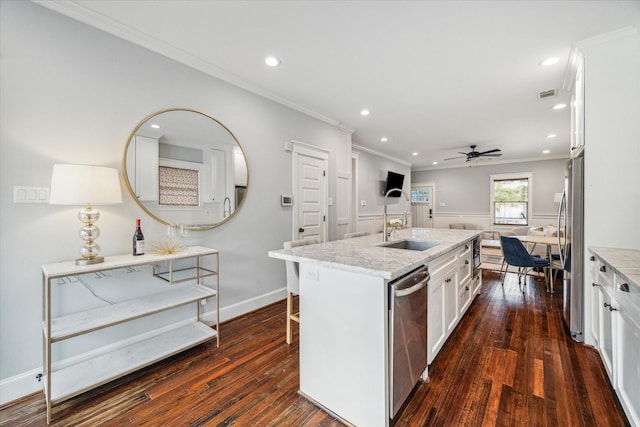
{"points": [[411, 245]]}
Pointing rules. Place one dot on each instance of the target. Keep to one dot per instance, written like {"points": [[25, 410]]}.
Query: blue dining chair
{"points": [[516, 254]]}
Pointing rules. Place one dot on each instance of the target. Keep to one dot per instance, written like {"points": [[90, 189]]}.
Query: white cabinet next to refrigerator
{"points": [[615, 273]]}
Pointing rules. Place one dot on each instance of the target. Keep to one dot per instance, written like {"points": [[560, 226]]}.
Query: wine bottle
{"points": [[138, 240]]}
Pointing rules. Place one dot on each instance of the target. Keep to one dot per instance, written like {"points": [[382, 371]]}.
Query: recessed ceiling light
{"points": [[415, 153], [434, 163], [551, 135], [559, 106], [364, 112], [549, 61], [546, 151], [272, 61], [155, 126], [384, 139]]}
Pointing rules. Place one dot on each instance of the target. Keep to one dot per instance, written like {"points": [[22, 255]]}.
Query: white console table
{"points": [[144, 285]]}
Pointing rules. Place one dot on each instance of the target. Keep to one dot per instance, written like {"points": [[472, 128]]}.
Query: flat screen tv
{"points": [[394, 180]]}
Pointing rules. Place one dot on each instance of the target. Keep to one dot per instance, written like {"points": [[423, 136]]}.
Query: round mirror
{"points": [[184, 167]]}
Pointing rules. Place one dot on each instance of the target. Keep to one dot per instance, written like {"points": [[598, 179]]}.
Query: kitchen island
{"points": [[344, 313]]}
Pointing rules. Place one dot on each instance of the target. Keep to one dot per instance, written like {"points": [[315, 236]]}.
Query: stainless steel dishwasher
{"points": [[407, 334]]}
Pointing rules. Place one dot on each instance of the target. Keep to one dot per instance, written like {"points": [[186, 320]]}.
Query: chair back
{"points": [[356, 234], [515, 253], [292, 267]]}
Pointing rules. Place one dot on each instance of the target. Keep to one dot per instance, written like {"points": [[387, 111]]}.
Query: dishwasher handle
{"points": [[411, 284]]}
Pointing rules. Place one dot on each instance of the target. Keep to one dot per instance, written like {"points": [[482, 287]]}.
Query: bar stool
{"points": [[293, 282]]}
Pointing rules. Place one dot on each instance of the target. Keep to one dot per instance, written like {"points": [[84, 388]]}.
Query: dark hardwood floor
{"points": [[509, 362]]}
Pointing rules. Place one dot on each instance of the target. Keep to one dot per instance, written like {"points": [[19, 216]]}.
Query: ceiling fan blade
{"points": [[491, 155], [459, 157], [495, 150]]}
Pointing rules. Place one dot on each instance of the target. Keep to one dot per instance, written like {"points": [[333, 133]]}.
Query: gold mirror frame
{"points": [[156, 215]]}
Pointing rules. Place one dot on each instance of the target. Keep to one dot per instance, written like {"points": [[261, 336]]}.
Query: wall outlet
{"points": [[363, 203], [312, 274]]}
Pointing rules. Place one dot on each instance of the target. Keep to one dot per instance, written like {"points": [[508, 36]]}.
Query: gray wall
{"points": [[466, 190], [72, 94], [372, 175]]}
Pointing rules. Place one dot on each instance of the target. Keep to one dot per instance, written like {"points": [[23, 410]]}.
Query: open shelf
{"points": [[184, 274], [80, 377], [102, 317]]}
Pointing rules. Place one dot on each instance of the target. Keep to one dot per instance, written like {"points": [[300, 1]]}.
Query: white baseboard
{"points": [[20, 385], [27, 383]]}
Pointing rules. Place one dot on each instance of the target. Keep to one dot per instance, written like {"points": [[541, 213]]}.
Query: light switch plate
{"points": [[23, 194]]}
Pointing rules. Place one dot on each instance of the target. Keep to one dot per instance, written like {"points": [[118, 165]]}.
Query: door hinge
{"points": [[324, 173], [324, 218]]}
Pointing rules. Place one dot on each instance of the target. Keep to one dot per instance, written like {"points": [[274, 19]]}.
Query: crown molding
{"points": [[83, 14], [493, 162], [379, 154]]}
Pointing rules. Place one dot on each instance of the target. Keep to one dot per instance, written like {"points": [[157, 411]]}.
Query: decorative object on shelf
{"points": [[167, 247], [138, 240], [90, 185]]}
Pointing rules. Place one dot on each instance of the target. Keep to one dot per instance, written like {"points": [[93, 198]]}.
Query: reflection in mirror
{"points": [[184, 167]]}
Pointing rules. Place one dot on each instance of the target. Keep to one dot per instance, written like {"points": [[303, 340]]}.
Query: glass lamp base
{"points": [[89, 261]]}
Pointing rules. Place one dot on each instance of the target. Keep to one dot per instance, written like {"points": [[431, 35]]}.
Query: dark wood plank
{"points": [[509, 362]]}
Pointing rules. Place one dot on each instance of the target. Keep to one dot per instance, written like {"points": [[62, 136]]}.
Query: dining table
{"points": [[549, 241]]}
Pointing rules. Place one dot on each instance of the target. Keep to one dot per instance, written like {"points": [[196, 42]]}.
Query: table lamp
{"points": [[90, 185]]}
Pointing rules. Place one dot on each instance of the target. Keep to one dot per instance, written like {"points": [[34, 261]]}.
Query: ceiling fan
{"points": [[473, 154]]}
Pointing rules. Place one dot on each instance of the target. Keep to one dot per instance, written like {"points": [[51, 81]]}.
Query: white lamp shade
{"points": [[82, 184]]}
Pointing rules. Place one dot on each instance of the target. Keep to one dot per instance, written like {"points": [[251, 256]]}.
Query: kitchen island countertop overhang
{"points": [[368, 255]]}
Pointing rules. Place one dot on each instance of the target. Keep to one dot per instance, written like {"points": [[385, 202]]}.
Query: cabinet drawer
{"points": [[464, 271], [628, 296], [442, 263], [605, 276]]}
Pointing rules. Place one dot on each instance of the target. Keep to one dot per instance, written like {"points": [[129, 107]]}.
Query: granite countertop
{"points": [[625, 261], [366, 255]]}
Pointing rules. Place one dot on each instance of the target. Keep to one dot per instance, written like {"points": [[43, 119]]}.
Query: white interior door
{"points": [[310, 193], [422, 202]]}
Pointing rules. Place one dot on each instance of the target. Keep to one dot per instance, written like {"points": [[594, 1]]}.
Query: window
{"points": [[511, 199], [178, 187], [420, 195]]}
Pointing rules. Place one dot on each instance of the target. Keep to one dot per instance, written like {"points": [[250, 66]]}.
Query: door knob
{"points": [[301, 230]]}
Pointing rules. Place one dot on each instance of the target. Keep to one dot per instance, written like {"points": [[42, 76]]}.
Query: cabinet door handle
{"points": [[595, 284], [466, 288], [611, 308], [624, 287], [592, 258], [603, 268], [466, 247], [301, 230], [466, 262]]}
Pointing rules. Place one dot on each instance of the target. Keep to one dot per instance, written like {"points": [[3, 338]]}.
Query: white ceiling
{"points": [[437, 76]]}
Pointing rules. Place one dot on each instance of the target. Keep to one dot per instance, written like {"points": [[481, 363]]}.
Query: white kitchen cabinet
{"points": [[577, 107], [618, 322], [217, 176], [452, 287], [146, 174], [465, 270], [596, 302], [120, 290]]}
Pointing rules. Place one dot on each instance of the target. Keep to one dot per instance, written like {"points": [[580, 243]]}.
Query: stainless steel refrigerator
{"points": [[571, 223]]}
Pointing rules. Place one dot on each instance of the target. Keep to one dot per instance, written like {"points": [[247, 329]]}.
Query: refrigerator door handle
{"points": [[562, 209]]}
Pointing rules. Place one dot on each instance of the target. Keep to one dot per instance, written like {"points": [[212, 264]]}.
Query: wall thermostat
{"points": [[286, 200]]}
